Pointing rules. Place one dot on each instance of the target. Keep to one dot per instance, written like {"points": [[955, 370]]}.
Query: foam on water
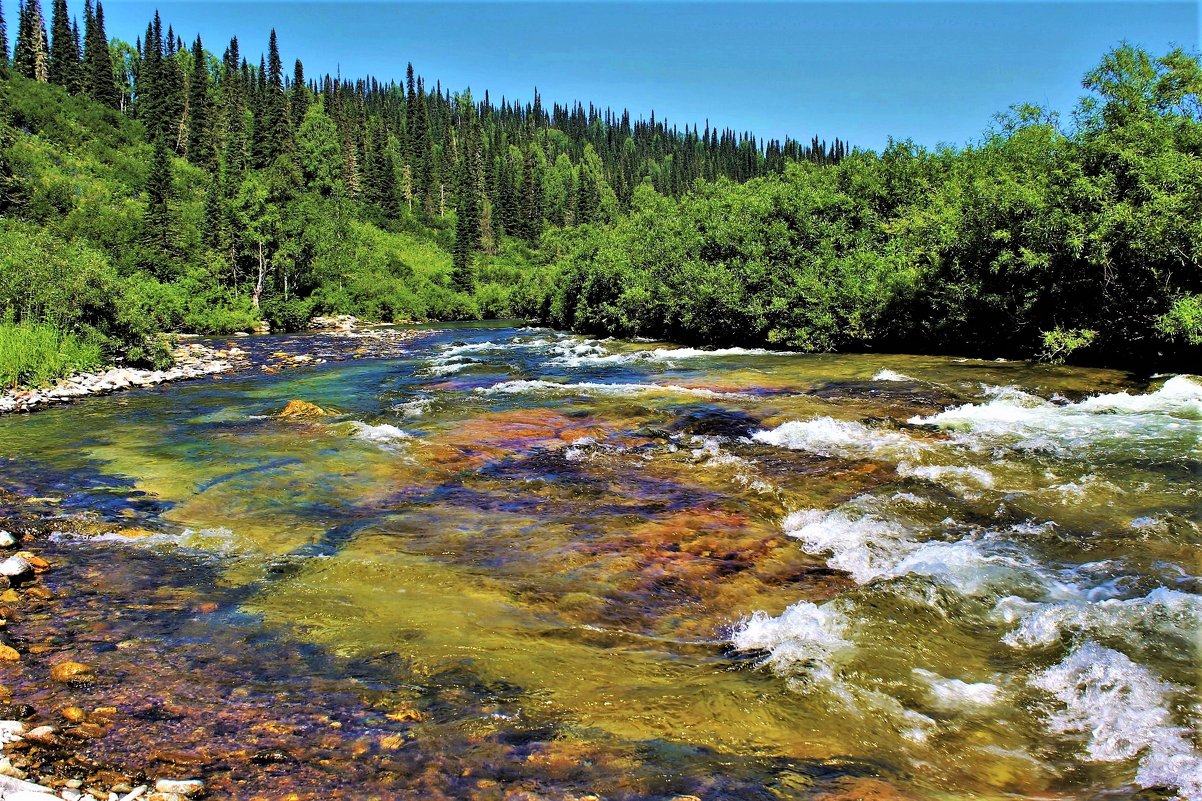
{"points": [[526, 386], [870, 543], [382, 434], [1039, 624], [590, 354], [960, 477], [806, 640], [844, 439], [956, 694], [1159, 422], [1123, 711], [889, 375]]}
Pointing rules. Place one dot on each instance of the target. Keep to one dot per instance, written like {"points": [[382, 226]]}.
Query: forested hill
{"points": [[160, 187]]}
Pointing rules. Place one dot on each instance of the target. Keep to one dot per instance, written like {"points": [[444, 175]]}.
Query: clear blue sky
{"points": [[931, 71]]}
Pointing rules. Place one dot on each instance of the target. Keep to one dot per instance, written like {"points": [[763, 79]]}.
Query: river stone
{"points": [[9, 786], [30, 795], [71, 671], [184, 787], [302, 409], [15, 566]]}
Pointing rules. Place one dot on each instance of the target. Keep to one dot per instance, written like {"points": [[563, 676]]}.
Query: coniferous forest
{"points": [[178, 185]]}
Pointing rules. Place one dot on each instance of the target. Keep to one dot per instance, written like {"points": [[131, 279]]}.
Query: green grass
{"points": [[36, 354]]}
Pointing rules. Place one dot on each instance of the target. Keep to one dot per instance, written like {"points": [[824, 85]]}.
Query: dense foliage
{"points": [[159, 187], [1040, 240]]}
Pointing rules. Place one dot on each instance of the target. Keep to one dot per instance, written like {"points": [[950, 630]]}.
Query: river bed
{"points": [[517, 563]]}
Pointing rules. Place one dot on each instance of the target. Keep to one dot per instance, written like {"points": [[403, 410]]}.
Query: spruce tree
{"points": [[200, 142], [32, 55], [3, 41], [75, 82], [97, 65], [467, 201], [156, 228], [299, 102], [64, 57]]}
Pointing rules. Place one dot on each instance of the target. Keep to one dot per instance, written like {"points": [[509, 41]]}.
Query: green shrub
{"points": [[1183, 320], [36, 354], [1060, 343]]}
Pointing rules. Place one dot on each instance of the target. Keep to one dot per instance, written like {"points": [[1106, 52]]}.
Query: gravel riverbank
{"points": [[338, 339]]}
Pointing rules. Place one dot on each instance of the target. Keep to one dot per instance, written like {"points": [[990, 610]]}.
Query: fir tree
{"points": [[467, 201], [97, 65], [64, 56], [32, 55], [156, 230], [200, 143], [300, 95], [75, 84], [3, 41]]}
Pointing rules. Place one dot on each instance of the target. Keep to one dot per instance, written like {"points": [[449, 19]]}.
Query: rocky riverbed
{"points": [[41, 750]]}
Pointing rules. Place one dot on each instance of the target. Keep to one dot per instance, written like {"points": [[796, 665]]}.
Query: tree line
{"points": [[507, 169], [175, 189]]}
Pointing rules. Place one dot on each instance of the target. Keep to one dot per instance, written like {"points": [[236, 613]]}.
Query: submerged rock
{"points": [[71, 672], [299, 409], [15, 567], [184, 787]]}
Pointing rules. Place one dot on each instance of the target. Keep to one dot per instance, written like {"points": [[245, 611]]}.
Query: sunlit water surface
{"points": [[640, 570]]}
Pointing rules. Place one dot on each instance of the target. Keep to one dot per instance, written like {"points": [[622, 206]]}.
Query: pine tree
{"points": [[32, 55], [75, 83], [3, 42], [532, 199], [467, 201], [64, 57], [300, 95], [156, 228], [200, 141], [97, 65], [276, 133]]}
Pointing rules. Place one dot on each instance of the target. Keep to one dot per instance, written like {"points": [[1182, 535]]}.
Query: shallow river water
{"points": [[518, 563]]}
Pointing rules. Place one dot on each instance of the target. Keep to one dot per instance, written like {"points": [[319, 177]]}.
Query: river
{"points": [[522, 561]]}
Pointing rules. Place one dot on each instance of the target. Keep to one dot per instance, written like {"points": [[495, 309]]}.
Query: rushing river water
{"points": [[520, 561]]}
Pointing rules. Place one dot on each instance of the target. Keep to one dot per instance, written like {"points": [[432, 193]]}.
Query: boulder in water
{"points": [[299, 409]]}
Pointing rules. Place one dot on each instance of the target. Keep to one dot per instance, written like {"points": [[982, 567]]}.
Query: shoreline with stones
{"points": [[196, 360], [39, 761]]}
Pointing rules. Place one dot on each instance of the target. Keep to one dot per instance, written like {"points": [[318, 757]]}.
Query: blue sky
{"points": [[931, 71]]}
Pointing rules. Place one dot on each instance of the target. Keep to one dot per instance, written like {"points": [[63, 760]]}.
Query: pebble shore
{"points": [[26, 751], [192, 360]]}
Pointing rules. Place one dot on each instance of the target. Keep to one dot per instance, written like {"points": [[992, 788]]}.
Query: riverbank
{"points": [[332, 339]]}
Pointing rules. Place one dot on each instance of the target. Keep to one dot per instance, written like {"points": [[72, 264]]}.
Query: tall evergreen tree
{"points": [[3, 41], [299, 102], [64, 57], [201, 151], [97, 65], [467, 201], [31, 57], [156, 229]]}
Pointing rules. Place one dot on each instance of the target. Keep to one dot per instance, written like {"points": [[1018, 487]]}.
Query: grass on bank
{"points": [[36, 354]]}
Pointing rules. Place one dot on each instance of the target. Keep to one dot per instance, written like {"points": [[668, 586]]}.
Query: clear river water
{"points": [[516, 563]]}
